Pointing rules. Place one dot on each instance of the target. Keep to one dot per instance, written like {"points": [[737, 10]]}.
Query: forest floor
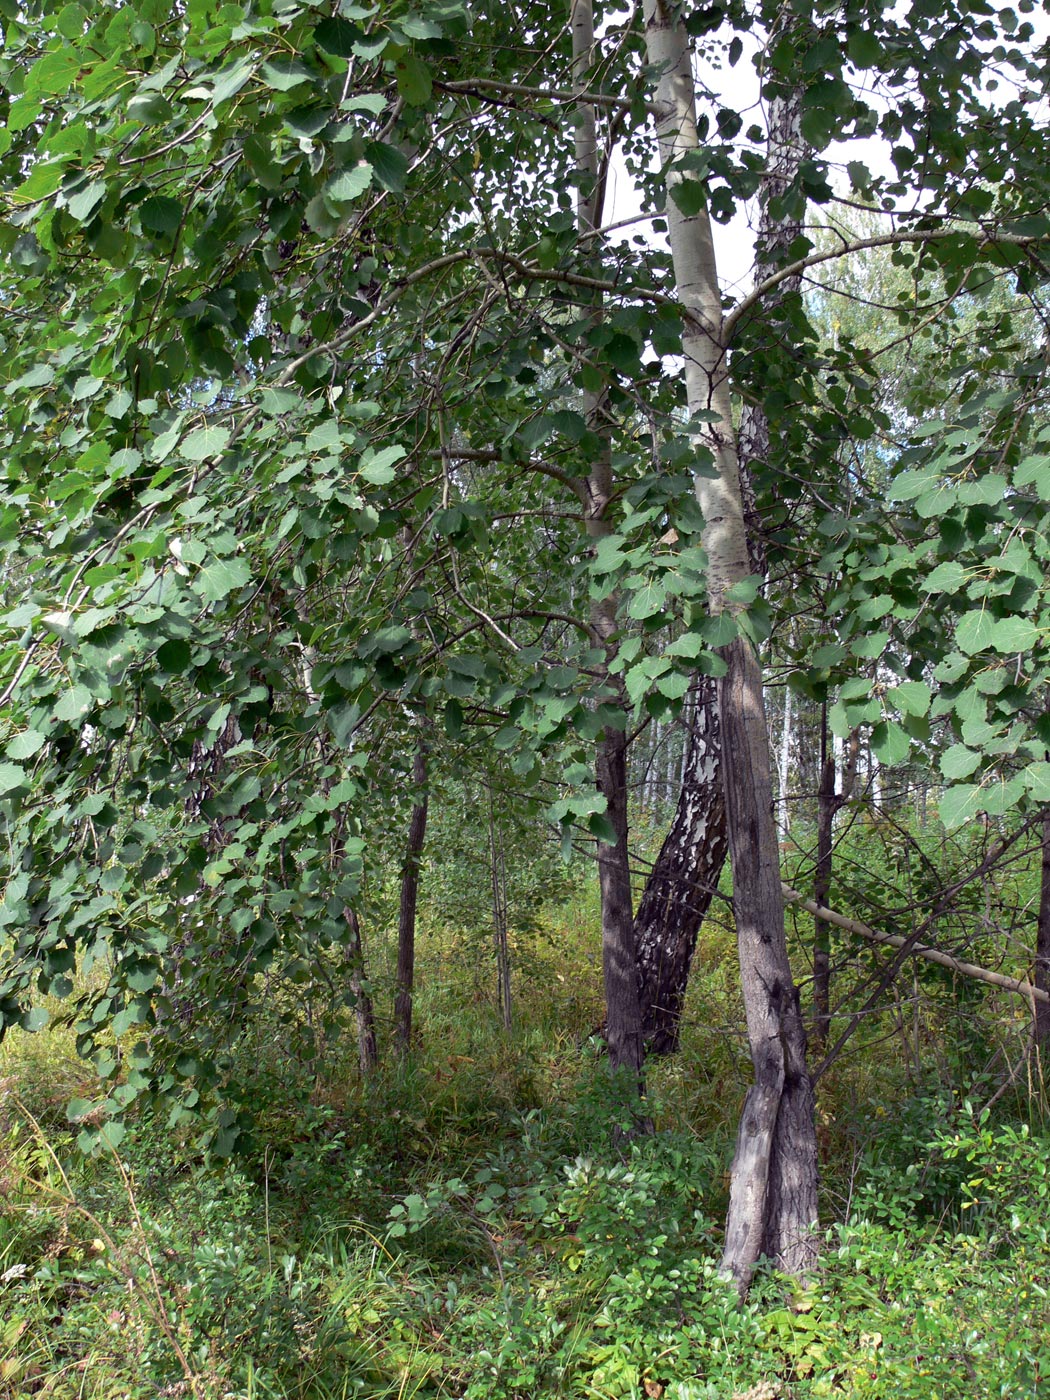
{"points": [[464, 1227]]}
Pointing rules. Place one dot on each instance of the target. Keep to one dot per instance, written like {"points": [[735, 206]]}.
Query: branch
{"points": [[920, 950], [476, 87], [860, 245]]}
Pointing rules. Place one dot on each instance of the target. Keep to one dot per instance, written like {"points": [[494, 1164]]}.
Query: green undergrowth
{"points": [[464, 1227]]}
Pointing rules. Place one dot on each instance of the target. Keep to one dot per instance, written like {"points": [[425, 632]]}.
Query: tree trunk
{"points": [[684, 878], [1041, 975], [406, 922], [784, 768], [623, 1018], [826, 809], [619, 964], [364, 1012], [773, 1185]]}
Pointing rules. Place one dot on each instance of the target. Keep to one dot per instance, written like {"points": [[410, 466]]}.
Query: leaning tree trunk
{"points": [[773, 1183], [406, 919], [623, 1017], [684, 879]]}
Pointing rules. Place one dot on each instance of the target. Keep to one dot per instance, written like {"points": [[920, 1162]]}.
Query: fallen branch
{"points": [[920, 950]]}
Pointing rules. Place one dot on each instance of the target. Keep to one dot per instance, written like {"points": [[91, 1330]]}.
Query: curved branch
{"points": [[880, 240]]}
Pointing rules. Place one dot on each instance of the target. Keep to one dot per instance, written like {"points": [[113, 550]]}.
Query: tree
{"points": [[330, 416]]}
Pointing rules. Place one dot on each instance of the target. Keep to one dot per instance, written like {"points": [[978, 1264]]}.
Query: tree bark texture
{"points": [[364, 1012], [773, 1183], [684, 878], [406, 920]]}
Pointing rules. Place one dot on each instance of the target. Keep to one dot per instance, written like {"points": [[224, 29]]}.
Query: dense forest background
{"points": [[526, 780]]}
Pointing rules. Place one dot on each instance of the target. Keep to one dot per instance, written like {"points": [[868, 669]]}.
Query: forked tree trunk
{"points": [[684, 878], [406, 919], [773, 1183]]}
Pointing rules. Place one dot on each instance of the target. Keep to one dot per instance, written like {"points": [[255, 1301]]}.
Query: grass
{"points": [[463, 1228]]}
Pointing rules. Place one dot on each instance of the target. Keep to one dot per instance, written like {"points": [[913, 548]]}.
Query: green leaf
{"points": [[388, 164], [1037, 780], [863, 48], [911, 697], [53, 74], [744, 591], [974, 631], [890, 742], [218, 579], [689, 195], [283, 74], [83, 204], [174, 656], [74, 705], [414, 80], [26, 744], [338, 36], [948, 577], [204, 443], [378, 468], [349, 184], [959, 762], [960, 804], [1034, 471], [161, 214]]}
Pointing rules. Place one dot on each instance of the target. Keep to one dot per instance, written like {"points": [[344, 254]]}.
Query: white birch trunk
{"points": [[773, 1180]]}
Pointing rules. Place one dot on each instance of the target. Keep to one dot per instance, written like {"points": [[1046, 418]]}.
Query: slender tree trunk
{"points": [[826, 809], [406, 921], [784, 768], [364, 1012], [684, 878], [773, 1184], [1041, 975], [623, 1010]]}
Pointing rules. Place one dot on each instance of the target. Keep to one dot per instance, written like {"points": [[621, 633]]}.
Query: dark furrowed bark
{"points": [[684, 878]]}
